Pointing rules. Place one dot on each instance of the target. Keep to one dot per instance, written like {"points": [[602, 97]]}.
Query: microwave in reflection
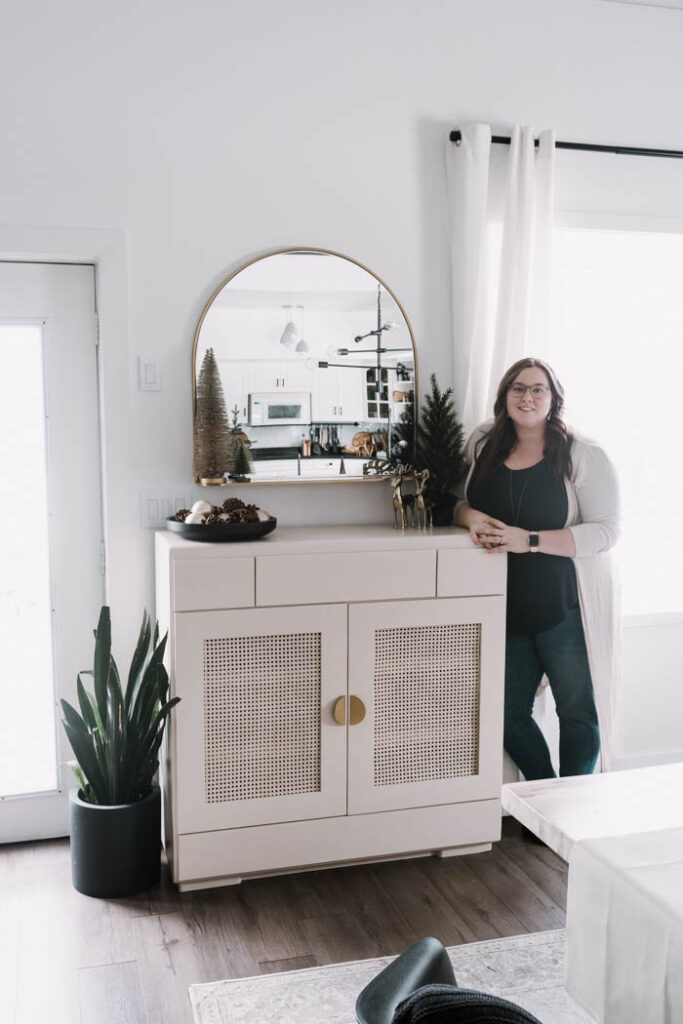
{"points": [[279, 408]]}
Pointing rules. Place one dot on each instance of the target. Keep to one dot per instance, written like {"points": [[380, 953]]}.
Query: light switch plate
{"points": [[149, 376]]}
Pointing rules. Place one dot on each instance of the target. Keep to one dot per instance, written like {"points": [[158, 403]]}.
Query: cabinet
{"points": [[268, 752], [338, 396], [377, 400], [341, 699], [350, 398], [240, 378], [278, 375], [382, 405]]}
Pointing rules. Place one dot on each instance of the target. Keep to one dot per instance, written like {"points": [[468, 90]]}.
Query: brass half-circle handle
{"points": [[339, 711], [357, 711]]}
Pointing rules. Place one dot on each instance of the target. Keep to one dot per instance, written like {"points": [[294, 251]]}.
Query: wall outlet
{"points": [[155, 507]]}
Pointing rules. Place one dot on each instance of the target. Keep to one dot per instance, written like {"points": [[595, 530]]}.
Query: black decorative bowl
{"points": [[220, 533]]}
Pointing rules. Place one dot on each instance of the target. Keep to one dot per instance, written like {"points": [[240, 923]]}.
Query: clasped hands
{"points": [[494, 535]]}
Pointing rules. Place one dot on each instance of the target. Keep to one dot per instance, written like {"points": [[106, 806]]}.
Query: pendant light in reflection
{"points": [[303, 345], [288, 336]]}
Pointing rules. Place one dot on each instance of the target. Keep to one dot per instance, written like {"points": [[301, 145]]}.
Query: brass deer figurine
{"points": [[423, 508], [400, 501]]}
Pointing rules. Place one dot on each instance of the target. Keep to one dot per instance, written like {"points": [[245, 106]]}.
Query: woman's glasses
{"points": [[537, 390]]}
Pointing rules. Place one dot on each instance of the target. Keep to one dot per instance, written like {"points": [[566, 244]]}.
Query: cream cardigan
{"points": [[594, 517]]}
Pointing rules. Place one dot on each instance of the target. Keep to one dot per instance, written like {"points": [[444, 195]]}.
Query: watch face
{"points": [[533, 540]]}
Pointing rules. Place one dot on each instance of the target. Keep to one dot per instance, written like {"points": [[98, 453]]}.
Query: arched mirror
{"points": [[303, 364]]}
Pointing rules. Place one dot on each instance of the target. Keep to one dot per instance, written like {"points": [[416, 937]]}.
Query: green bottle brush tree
{"points": [[435, 443]]}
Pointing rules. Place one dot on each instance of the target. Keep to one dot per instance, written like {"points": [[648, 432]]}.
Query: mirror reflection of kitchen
{"points": [[318, 359]]}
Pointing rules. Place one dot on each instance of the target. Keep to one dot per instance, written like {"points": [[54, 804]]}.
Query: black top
{"points": [[541, 588]]}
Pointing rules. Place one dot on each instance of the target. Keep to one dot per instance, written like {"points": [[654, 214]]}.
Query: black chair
{"points": [[419, 987]]}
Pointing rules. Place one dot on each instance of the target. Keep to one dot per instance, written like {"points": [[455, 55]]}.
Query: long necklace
{"points": [[516, 513]]}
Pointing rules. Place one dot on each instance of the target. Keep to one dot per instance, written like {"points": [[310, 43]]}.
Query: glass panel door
{"points": [[28, 758], [51, 582]]}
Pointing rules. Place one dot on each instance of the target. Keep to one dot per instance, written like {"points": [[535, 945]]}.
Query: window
{"points": [[616, 342]]}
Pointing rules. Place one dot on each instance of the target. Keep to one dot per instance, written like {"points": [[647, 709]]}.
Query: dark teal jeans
{"points": [[560, 653]]}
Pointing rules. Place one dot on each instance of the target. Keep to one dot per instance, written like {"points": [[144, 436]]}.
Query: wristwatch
{"points": [[533, 543]]}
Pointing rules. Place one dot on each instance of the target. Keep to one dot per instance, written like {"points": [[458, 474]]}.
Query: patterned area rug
{"points": [[527, 969]]}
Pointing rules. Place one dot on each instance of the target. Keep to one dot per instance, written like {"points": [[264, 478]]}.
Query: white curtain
{"points": [[500, 255]]}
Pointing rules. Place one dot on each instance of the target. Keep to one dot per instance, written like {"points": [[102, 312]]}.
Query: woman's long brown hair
{"points": [[501, 438]]}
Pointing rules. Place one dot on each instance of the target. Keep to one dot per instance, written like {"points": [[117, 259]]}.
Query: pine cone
{"points": [[212, 518], [181, 515], [245, 515], [232, 503]]}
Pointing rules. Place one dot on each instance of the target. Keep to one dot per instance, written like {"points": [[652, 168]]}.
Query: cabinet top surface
{"points": [[287, 540]]}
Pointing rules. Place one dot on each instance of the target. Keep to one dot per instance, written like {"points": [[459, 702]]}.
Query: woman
{"points": [[550, 501]]}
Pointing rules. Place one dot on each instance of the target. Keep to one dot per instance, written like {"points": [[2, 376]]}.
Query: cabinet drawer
{"points": [[205, 583], [353, 576], [470, 573]]}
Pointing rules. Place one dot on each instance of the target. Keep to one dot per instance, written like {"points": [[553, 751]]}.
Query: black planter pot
{"points": [[442, 510], [115, 851]]}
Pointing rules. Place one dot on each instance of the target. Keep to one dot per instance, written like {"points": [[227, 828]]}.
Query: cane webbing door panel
{"points": [[255, 738], [430, 674]]}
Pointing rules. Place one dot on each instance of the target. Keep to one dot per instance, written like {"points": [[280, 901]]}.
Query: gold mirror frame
{"points": [[195, 344]]}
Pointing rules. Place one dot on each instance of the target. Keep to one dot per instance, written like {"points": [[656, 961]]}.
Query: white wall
{"points": [[214, 131]]}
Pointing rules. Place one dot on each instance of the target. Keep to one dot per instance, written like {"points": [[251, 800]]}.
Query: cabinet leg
{"points": [[457, 851], [213, 883]]}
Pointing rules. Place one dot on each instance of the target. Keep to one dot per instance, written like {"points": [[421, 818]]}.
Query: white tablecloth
{"points": [[625, 927]]}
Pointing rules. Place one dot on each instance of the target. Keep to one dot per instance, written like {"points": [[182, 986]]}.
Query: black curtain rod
{"points": [[589, 147]]}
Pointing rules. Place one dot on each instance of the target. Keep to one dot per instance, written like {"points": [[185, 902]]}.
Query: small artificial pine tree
{"points": [[237, 437], [241, 463], [211, 441], [439, 449]]}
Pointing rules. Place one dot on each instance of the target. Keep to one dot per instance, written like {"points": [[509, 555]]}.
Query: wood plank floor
{"points": [[69, 959]]}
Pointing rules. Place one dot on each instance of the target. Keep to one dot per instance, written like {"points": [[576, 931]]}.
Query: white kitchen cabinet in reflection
{"points": [[338, 397], [272, 375]]}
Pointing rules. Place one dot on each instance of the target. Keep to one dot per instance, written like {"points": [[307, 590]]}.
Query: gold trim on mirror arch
{"points": [[221, 286]]}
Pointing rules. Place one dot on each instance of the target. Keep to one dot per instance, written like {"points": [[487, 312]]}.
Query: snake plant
{"points": [[117, 735]]}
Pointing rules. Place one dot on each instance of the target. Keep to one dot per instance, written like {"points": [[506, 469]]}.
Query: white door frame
{"points": [[56, 302], [107, 251]]}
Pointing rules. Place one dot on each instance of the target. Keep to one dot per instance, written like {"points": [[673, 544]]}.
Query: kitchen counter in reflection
{"points": [[316, 467], [268, 454]]}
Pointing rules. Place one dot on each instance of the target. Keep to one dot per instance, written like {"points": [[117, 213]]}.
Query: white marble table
{"points": [[563, 811], [622, 834], [625, 927]]}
